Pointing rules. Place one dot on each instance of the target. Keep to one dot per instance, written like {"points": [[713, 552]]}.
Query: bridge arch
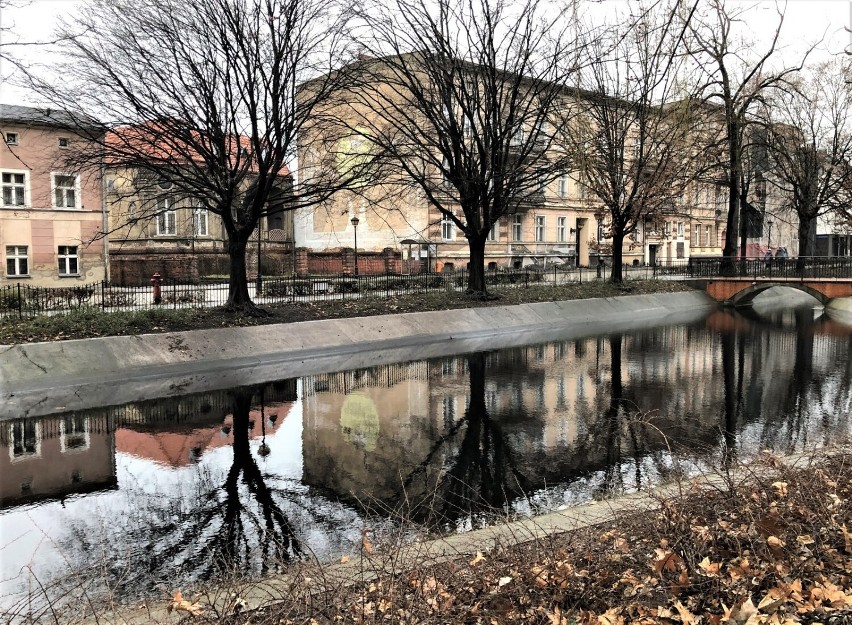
{"points": [[746, 295]]}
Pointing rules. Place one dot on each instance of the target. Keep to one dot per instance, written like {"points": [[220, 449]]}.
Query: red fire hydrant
{"points": [[156, 282]]}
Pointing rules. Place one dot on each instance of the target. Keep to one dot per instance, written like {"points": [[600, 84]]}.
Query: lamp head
{"points": [[355, 221]]}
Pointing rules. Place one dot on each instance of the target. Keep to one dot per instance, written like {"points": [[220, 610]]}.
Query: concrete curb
{"points": [[43, 378]]}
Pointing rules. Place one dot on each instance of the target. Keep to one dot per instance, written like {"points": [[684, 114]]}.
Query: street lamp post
{"points": [[769, 240], [354, 221]]}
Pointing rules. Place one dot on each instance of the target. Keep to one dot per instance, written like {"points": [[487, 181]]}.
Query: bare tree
{"points": [[202, 95], [810, 142], [461, 102], [738, 78], [632, 148]]}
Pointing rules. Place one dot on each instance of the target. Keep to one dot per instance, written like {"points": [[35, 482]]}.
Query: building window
{"points": [[696, 234], [166, 218], [492, 234], [517, 227], [708, 235], [539, 228], [582, 190], [75, 433], [201, 222], [25, 438], [562, 189], [542, 181], [448, 230], [560, 229], [68, 260], [16, 261], [64, 191], [517, 137], [680, 230], [680, 249], [14, 186], [64, 142], [11, 138]]}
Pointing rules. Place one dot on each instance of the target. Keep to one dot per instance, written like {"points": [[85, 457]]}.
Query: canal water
{"points": [[140, 499]]}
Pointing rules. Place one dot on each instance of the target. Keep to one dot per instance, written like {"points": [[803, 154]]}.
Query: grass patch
{"points": [[92, 322]]}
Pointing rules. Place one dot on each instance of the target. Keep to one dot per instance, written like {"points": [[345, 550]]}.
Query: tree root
{"points": [[484, 296], [248, 309]]}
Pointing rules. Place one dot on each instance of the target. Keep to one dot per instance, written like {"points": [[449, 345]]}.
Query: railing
{"points": [[801, 268], [22, 301]]}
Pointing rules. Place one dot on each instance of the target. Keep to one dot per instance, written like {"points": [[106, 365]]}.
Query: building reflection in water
{"points": [[452, 438]]}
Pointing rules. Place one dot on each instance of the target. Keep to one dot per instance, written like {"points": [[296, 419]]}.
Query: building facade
{"points": [[156, 228], [52, 220]]}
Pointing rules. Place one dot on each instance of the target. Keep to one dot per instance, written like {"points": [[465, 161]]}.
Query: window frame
{"points": [[55, 187], [517, 228], [15, 140], [13, 457], [562, 186], [540, 235], [26, 187], [197, 212], [448, 228], [17, 257], [561, 229], [67, 257], [494, 232], [164, 213], [65, 434]]}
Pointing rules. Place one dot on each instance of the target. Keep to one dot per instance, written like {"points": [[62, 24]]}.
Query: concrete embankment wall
{"points": [[43, 378], [840, 309]]}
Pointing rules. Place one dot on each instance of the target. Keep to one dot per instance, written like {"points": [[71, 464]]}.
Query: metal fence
{"points": [[21, 300], [24, 301]]}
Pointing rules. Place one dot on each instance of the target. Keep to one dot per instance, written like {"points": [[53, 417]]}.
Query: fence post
{"points": [[20, 303], [103, 294]]}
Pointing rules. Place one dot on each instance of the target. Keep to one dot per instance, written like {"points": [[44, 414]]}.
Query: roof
{"points": [[157, 141], [30, 115]]}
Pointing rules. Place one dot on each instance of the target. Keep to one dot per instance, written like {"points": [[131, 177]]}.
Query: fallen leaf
{"points": [[180, 604], [781, 488], [344, 559], [774, 541], [686, 617], [365, 542], [711, 569], [479, 558], [503, 581]]}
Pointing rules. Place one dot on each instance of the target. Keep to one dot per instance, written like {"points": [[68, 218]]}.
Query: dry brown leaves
{"points": [[770, 550]]}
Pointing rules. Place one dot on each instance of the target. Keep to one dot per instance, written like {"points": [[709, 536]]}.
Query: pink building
{"points": [[51, 218]]}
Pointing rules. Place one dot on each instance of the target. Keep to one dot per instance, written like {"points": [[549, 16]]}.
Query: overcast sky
{"points": [[806, 21]]}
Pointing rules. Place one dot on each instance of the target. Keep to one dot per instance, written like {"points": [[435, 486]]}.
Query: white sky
{"points": [[806, 22]]}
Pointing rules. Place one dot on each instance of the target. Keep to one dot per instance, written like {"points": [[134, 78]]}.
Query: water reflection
{"points": [[244, 480]]}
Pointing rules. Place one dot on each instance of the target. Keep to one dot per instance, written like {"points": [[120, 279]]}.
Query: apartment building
{"points": [[562, 222], [52, 219], [155, 226]]}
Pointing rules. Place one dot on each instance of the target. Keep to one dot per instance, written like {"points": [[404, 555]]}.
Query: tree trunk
{"points": [[729, 252], [807, 239], [238, 295], [616, 276], [476, 273]]}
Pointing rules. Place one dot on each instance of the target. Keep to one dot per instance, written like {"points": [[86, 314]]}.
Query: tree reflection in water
{"points": [[483, 476], [230, 528]]}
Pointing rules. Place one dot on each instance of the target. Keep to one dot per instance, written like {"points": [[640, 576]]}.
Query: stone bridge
{"points": [[740, 291]]}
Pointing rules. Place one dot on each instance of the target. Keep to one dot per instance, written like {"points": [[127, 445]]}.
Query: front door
{"points": [[652, 255]]}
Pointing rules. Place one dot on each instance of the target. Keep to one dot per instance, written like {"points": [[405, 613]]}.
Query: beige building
{"points": [[51, 219], [156, 228]]}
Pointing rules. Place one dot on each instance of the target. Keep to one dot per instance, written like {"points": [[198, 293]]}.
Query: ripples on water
{"points": [[142, 498]]}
